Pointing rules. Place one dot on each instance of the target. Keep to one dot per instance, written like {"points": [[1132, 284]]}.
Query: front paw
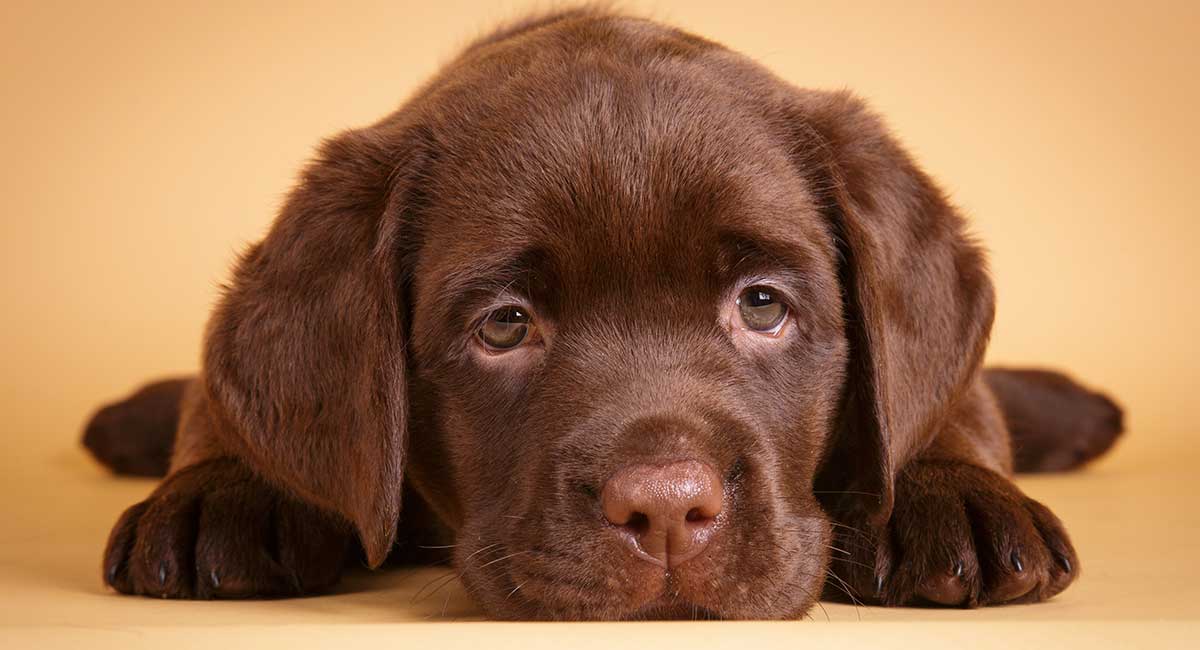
{"points": [[214, 530], [959, 535]]}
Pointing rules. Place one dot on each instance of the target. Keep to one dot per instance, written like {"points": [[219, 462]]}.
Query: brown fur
{"points": [[622, 178], [137, 434], [1055, 424]]}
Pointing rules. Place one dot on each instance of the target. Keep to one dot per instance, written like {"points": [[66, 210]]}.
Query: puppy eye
{"points": [[761, 309], [505, 328]]}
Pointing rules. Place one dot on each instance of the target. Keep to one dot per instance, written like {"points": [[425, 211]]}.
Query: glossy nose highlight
{"points": [[665, 513]]}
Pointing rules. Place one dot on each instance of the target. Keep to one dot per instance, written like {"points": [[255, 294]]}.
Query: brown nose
{"points": [[665, 513]]}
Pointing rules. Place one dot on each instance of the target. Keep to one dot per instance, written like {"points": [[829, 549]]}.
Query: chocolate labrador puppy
{"points": [[632, 327]]}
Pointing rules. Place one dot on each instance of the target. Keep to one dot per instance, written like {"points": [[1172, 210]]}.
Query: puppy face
{"points": [[671, 297], [629, 313]]}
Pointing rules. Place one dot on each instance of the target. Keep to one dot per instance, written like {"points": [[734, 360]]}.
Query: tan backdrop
{"points": [[145, 143]]}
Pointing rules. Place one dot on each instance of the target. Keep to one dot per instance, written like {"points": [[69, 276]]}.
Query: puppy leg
{"points": [[215, 530], [961, 533], [1055, 423]]}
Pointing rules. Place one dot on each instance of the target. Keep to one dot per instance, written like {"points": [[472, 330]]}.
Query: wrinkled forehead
{"points": [[598, 193]]}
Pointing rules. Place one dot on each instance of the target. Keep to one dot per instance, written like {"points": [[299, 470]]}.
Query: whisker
{"points": [[836, 549], [817, 601], [514, 590], [832, 547], [501, 559], [442, 581], [849, 528], [468, 558], [856, 563], [802, 588], [865, 494], [845, 588]]}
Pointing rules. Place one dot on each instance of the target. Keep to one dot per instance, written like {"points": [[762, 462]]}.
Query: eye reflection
{"points": [[761, 310], [505, 328]]}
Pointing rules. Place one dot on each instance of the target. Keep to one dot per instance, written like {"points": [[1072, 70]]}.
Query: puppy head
{"points": [[620, 321]]}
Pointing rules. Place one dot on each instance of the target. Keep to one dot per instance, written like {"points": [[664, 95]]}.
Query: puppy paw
{"points": [[959, 535], [214, 530]]}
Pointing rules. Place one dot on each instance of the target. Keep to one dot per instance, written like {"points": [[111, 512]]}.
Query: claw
{"points": [[162, 574]]}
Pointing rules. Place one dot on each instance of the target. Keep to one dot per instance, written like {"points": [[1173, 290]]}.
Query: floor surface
{"points": [[1133, 517]]}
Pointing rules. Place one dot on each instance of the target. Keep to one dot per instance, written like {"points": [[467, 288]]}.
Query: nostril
{"points": [[638, 524], [666, 513]]}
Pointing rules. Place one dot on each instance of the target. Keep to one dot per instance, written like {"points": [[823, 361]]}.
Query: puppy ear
{"points": [[918, 299], [304, 360]]}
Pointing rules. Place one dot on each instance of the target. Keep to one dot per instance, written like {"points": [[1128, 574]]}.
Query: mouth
{"points": [[665, 540], [672, 608], [673, 597], [664, 597], [599, 584]]}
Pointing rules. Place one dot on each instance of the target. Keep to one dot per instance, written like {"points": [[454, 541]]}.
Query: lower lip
{"points": [[666, 608]]}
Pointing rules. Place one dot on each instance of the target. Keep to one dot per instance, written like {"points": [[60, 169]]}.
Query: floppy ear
{"points": [[917, 295], [305, 355]]}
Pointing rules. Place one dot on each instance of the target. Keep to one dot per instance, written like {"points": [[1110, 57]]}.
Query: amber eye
{"points": [[505, 328], [761, 309]]}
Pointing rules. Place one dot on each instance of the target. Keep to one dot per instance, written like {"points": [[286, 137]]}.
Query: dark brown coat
{"points": [[623, 182]]}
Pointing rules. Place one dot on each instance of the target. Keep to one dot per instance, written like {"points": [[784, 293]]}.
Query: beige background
{"points": [[144, 144]]}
